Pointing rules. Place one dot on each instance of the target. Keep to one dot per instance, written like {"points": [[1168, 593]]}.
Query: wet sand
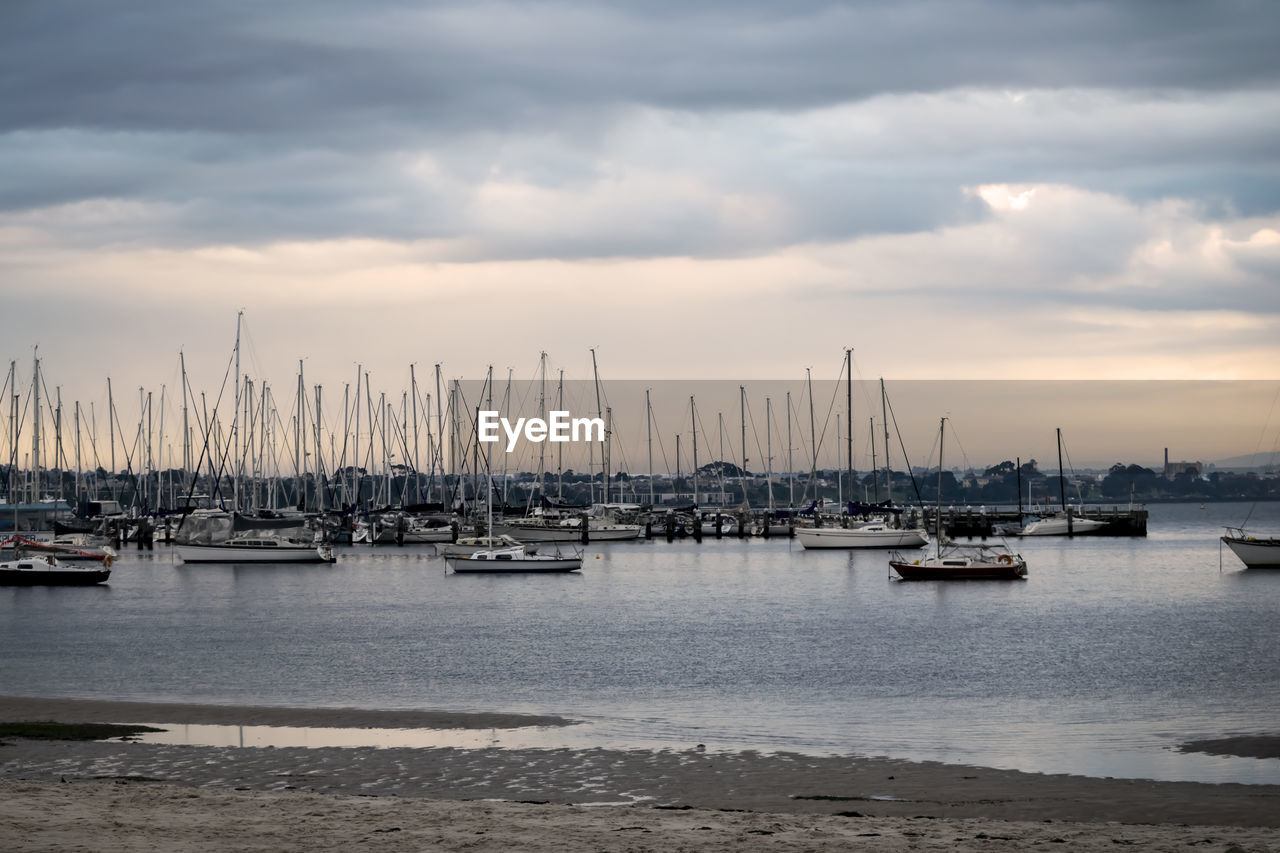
{"points": [[1244, 746], [117, 793]]}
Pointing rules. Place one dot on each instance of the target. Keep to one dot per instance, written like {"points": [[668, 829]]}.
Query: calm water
{"points": [[1110, 654]]}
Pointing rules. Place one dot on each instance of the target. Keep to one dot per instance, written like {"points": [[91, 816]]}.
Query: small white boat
{"points": [[467, 545], [874, 535], [602, 529], [728, 524], [45, 570], [513, 559], [537, 530], [257, 549], [1058, 526], [1256, 552]]}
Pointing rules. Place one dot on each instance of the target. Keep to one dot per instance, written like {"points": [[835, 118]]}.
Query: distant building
{"points": [[1173, 469]]}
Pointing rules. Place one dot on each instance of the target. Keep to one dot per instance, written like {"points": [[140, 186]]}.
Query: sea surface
{"points": [[1107, 657]]}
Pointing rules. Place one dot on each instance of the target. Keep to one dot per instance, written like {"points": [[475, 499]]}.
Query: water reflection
{"points": [[185, 734]]}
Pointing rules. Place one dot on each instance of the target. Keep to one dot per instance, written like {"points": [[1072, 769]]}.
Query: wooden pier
{"points": [[981, 521]]}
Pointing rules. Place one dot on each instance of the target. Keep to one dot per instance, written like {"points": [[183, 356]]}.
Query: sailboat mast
{"points": [[35, 433], [742, 418], [813, 437], [1062, 484], [488, 476], [506, 411], [1019, 464], [559, 447], [791, 468], [384, 413], [604, 474], [111, 432], [357, 481], [13, 441], [319, 459], [848, 416], [1062, 475], [875, 476], [884, 417], [235, 426], [693, 423], [297, 443], [57, 442], [439, 434], [150, 461], [417, 481], [542, 413], [937, 518], [186, 426], [77, 417], [768, 444], [648, 428]]}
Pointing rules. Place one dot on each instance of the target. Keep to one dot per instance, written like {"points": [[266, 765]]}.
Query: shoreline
{"points": [[773, 783], [22, 708]]}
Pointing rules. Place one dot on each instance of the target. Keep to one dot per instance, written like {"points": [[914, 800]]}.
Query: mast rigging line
{"points": [[905, 458]]}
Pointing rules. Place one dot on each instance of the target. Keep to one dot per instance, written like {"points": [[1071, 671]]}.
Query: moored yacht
{"points": [[874, 535], [257, 548], [45, 570], [1256, 552]]}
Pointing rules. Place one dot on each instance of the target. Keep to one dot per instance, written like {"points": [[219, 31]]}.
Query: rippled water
{"points": [[1110, 654]]}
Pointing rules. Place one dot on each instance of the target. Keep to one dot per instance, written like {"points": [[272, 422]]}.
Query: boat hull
{"points": [[53, 577], [1255, 553], [926, 571], [534, 533], [240, 554], [842, 537], [468, 566]]}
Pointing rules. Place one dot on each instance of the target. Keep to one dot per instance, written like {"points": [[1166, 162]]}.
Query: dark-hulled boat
{"points": [[972, 562]]}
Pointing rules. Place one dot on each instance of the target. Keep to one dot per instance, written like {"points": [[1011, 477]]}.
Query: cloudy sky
{"points": [[968, 189]]}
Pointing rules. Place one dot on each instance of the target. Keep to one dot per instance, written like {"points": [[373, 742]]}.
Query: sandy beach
{"points": [[113, 795]]}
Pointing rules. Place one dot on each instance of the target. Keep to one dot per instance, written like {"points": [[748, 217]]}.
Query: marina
{"points": [[1108, 655]]}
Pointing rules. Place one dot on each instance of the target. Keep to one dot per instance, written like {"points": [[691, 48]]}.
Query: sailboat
{"points": [[959, 562], [1256, 552], [45, 570], [259, 547], [508, 558], [877, 534], [1063, 523]]}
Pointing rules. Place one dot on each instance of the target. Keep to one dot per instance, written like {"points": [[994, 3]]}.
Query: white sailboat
{"points": [[1256, 552], [874, 535], [257, 548], [1063, 523], [467, 545], [1060, 525]]}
